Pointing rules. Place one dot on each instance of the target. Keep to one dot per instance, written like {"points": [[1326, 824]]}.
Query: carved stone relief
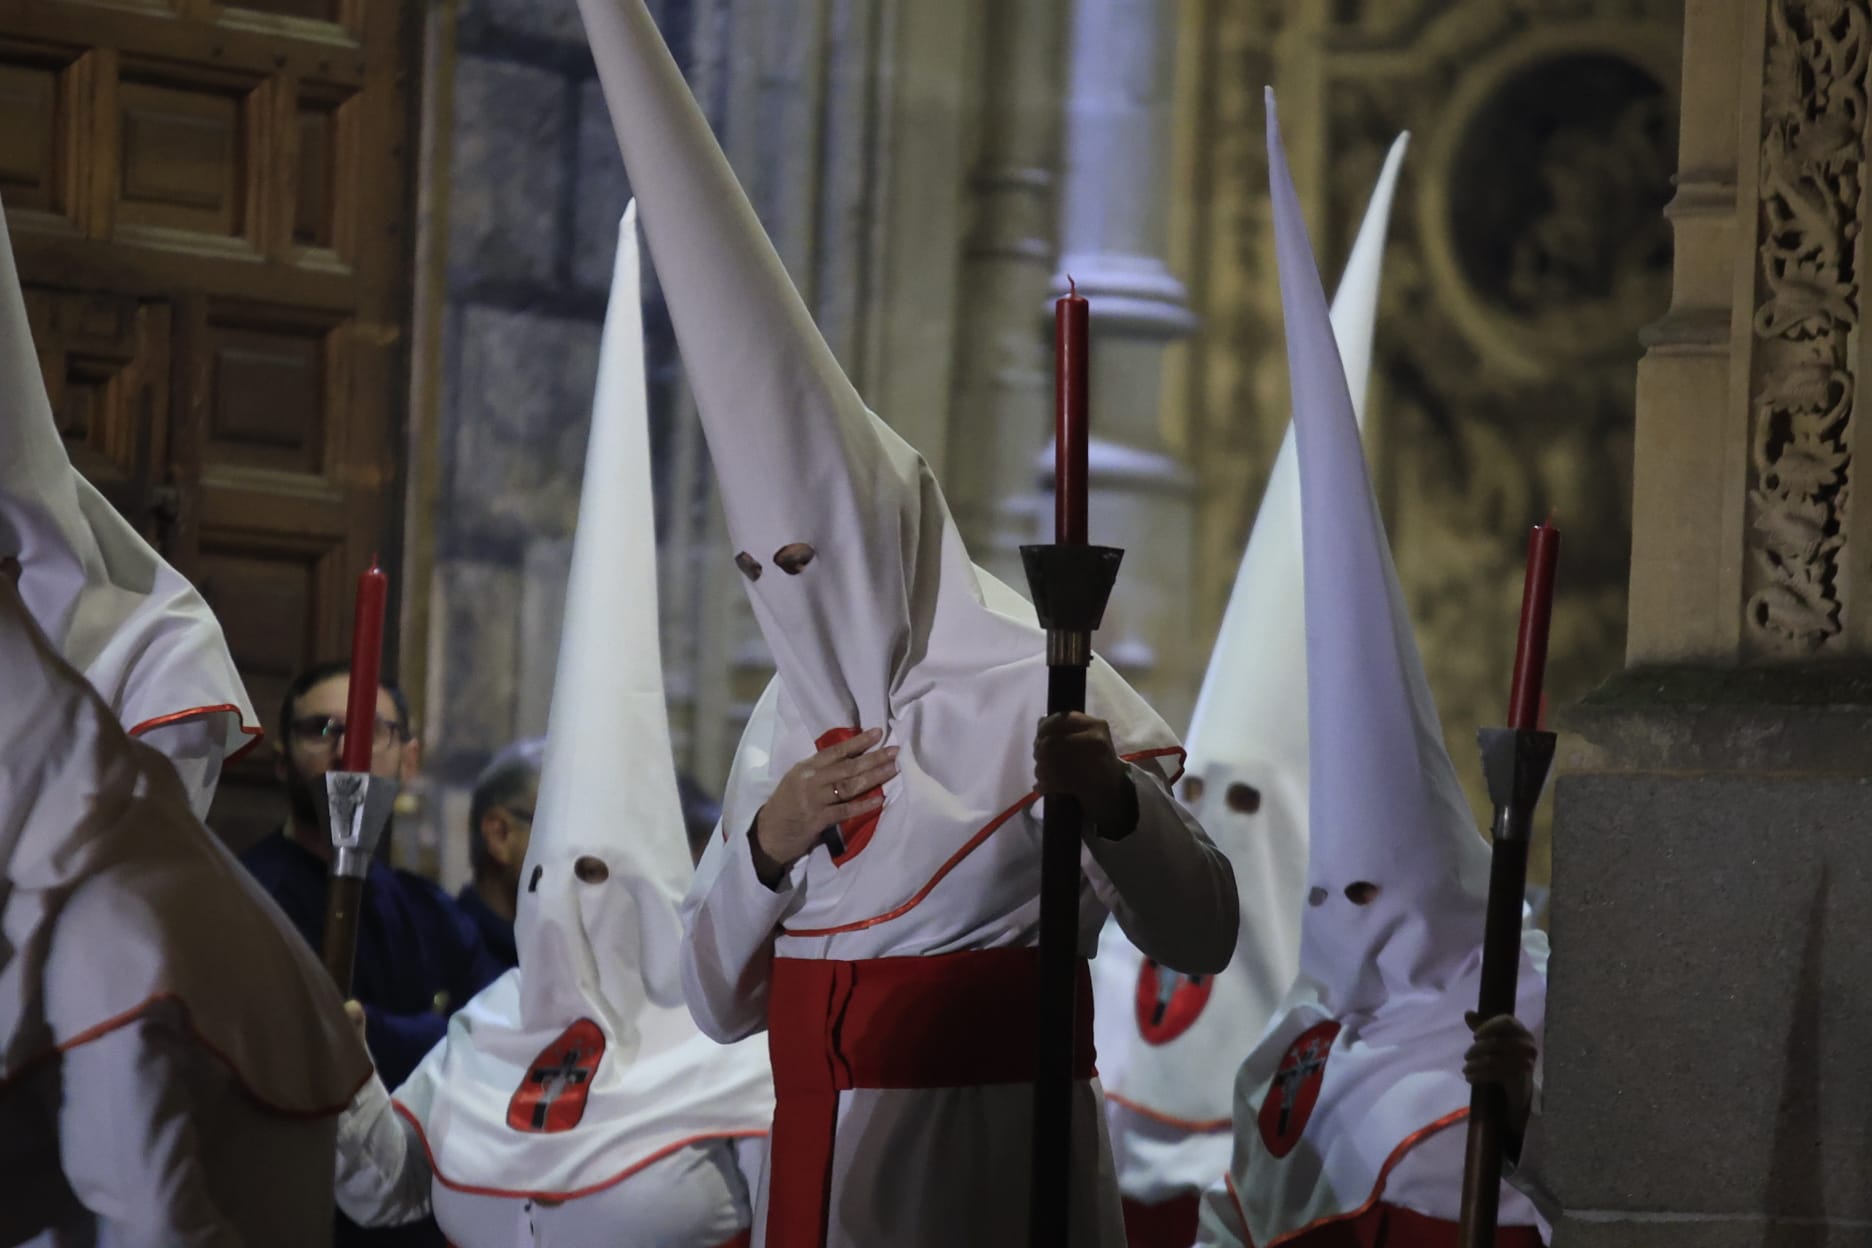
{"points": [[1802, 382]]}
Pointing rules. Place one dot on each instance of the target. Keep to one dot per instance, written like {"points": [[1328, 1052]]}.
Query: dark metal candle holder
{"points": [[1515, 762], [357, 807]]}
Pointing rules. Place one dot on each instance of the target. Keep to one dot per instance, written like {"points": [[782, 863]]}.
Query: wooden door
{"points": [[211, 204]]}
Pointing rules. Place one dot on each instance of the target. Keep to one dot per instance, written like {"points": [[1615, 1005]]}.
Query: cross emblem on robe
{"points": [[554, 1081], [1309, 1060]]}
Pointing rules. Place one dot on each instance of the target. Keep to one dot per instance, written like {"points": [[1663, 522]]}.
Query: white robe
{"points": [[695, 1197], [159, 1146], [950, 1166], [172, 1059]]}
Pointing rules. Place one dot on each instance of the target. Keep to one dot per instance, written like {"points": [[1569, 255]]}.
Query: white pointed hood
{"points": [[608, 948], [874, 613], [132, 626], [598, 926], [1169, 1046], [1355, 1093], [1404, 825]]}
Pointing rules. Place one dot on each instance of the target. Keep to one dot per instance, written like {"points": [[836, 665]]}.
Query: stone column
{"points": [[1114, 236], [1706, 1073], [1004, 377]]}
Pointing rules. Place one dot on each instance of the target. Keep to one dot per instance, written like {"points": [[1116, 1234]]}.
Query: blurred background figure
{"points": [[500, 824]]}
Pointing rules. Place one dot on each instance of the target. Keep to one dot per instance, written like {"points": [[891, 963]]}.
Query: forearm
{"points": [[731, 919], [1172, 891], [382, 1176]]}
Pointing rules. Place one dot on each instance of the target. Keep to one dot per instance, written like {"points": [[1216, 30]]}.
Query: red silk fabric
{"points": [[952, 1020]]}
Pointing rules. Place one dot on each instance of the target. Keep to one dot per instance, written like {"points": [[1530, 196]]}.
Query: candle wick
{"points": [[1548, 522], [1072, 287]]}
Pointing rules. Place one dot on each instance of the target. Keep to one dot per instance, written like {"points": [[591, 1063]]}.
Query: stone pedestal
{"points": [[1707, 1081]]}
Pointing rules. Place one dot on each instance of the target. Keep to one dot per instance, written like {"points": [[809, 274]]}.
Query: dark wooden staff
{"points": [[1515, 762]]}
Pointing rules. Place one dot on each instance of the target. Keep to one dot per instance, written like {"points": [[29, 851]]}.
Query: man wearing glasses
{"points": [[419, 958]]}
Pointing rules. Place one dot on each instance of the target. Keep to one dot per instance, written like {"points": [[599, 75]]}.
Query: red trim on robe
{"points": [[951, 1020], [1376, 1224], [970, 846], [555, 1197], [149, 1003], [1206, 1126], [254, 732]]}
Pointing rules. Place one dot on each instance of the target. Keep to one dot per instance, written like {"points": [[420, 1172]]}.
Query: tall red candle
{"points": [[1530, 664], [366, 664], [1070, 418]]}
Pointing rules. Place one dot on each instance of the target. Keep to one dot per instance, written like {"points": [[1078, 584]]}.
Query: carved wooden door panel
{"points": [[107, 368], [211, 207]]}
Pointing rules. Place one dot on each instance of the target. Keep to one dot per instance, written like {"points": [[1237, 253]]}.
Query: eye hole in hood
{"points": [[591, 870], [793, 557], [1361, 892]]}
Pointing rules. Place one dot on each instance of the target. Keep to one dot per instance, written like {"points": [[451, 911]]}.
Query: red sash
{"points": [[950, 1021], [1169, 1224]]}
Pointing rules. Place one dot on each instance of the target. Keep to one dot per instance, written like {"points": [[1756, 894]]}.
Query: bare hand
{"points": [[1074, 755], [838, 783], [1503, 1053], [355, 1013]]}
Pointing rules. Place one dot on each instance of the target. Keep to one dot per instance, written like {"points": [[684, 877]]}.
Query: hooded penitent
{"points": [[131, 625], [1169, 1044], [1355, 1093], [874, 613], [583, 1065], [117, 902]]}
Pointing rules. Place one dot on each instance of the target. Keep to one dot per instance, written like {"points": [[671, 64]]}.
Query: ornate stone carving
{"points": [[1802, 382], [1527, 248]]}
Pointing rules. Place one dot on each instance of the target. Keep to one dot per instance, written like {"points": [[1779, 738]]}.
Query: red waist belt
{"points": [[955, 1020]]}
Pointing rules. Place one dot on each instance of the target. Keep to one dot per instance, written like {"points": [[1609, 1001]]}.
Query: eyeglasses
{"points": [[325, 731]]}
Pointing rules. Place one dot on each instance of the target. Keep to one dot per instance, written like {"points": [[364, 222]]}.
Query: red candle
{"points": [[1530, 664], [1070, 420], [366, 663]]}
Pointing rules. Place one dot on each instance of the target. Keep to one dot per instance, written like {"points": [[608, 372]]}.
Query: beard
{"points": [[302, 798]]}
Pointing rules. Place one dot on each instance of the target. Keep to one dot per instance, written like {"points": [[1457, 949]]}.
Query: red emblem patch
{"points": [[1168, 1001], [552, 1096], [1295, 1088], [856, 831]]}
